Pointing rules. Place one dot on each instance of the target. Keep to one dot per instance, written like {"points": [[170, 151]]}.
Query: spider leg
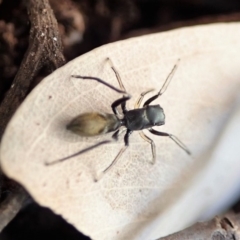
{"points": [[164, 86], [139, 101], [117, 133], [112, 164], [117, 75], [120, 101], [126, 138], [141, 133], [101, 81], [78, 153], [153, 147], [123, 104], [174, 138]]}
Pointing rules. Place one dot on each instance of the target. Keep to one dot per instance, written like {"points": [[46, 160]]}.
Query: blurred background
{"points": [[85, 25]]}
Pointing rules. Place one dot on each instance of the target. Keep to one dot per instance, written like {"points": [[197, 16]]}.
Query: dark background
{"points": [[84, 25]]}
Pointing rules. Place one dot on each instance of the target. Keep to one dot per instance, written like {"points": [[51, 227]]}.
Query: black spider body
{"points": [[144, 118]]}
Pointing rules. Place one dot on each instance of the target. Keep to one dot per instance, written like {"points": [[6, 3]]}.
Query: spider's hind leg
{"points": [[174, 138], [139, 101], [78, 153], [123, 104], [111, 165], [116, 74], [153, 147], [126, 137], [164, 86]]}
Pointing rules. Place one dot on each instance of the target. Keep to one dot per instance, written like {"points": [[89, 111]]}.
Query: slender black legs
{"points": [[147, 102], [126, 141], [153, 147], [126, 137], [164, 86], [163, 134], [117, 75], [101, 81], [139, 101], [78, 153], [122, 102], [174, 138], [114, 136], [112, 164], [141, 133], [125, 96]]}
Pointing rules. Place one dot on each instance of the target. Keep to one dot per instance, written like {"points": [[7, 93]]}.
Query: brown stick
{"points": [[225, 227], [11, 206], [45, 48]]}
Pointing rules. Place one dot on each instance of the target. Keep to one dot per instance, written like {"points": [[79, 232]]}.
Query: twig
{"points": [[11, 206], [224, 228], [45, 48]]}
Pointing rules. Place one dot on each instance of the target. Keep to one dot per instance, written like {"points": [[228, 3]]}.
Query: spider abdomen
{"points": [[93, 124]]}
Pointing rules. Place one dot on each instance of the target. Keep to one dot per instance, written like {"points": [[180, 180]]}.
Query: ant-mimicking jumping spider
{"points": [[146, 117]]}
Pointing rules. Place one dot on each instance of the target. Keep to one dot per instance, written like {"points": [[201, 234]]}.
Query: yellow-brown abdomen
{"points": [[92, 124]]}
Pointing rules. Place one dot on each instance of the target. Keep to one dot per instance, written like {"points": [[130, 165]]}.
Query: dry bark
{"points": [[45, 49]]}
